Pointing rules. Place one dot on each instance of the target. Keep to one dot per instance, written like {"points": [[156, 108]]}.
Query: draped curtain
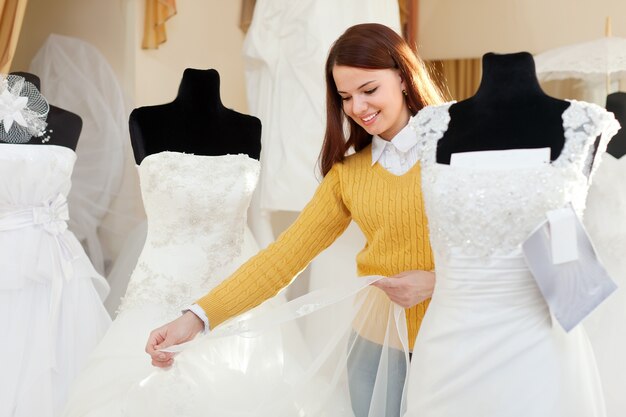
{"points": [[157, 13], [457, 78], [247, 11], [11, 18]]}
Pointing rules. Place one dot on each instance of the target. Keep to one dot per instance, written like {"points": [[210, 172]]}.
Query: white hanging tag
{"points": [[563, 235]]}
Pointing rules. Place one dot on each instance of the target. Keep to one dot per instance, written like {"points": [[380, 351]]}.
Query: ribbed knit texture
{"points": [[388, 209]]}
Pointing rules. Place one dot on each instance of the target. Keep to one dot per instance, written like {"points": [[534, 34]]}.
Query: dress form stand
{"points": [[509, 111], [63, 126], [197, 122], [616, 103]]}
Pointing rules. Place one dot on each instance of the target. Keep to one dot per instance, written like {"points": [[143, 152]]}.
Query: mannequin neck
{"points": [[508, 77], [200, 88], [616, 103]]}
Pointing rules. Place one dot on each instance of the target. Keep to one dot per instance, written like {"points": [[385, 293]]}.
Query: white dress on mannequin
{"points": [[197, 235], [51, 312], [488, 346], [605, 220], [256, 364]]}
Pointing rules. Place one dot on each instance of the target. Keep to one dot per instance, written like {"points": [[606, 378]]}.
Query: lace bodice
{"points": [[479, 213], [196, 208]]}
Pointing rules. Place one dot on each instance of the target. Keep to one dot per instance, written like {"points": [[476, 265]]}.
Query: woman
{"points": [[375, 82]]}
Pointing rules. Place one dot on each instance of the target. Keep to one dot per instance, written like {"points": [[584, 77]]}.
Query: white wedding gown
{"points": [[256, 364], [605, 220], [51, 312], [488, 346], [196, 207]]}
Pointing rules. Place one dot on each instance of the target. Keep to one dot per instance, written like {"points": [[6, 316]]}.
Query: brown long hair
{"points": [[369, 46]]}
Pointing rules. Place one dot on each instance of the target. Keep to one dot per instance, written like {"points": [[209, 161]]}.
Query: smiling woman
{"points": [[375, 82], [374, 99], [379, 82]]}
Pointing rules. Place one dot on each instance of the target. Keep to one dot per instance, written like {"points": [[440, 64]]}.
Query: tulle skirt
{"points": [[260, 364], [42, 357]]}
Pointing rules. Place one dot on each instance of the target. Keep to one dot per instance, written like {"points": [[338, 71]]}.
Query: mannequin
{"points": [[616, 103], [195, 122], [63, 128], [498, 116]]}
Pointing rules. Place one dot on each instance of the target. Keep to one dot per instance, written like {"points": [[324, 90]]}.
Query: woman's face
{"points": [[373, 99]]}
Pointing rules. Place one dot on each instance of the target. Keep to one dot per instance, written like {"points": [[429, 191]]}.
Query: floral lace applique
{"points": [[479, 213], [196, 207]]}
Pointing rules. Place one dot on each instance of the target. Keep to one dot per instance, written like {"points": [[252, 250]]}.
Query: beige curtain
{"points": [[157, 13], [247, 11], [11, 18], [459, 78], [403, 6]]}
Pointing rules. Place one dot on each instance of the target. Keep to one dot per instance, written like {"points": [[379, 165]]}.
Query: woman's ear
{"points": [[402, 83]]}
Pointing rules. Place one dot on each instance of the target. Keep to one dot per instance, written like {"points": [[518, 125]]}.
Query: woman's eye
{"points": [[345, 98], [371, 91]]}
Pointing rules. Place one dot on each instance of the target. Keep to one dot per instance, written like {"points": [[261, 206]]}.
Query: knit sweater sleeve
{"points": [[323, 219]]}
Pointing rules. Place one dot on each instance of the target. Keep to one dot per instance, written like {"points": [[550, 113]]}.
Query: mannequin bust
{"points": [[509, 111], [63, 128], [195, 122], [616, 103]]}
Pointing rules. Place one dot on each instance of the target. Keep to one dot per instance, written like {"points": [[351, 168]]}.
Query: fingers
{"points": [[163, 364], [158, 339], [155, 338], [384, 283]]}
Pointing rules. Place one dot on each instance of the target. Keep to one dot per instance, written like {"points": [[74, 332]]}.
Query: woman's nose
{"points": [[359, 106]]}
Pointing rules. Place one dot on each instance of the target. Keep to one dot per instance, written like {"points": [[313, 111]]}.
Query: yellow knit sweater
{"points": [[388, 209]]}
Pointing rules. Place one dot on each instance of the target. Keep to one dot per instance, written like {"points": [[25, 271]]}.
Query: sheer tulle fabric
{"points": [[606, 223], [76, 77], [259, 365]]}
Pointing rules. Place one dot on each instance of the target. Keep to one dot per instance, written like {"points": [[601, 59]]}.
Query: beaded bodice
{"points": [[196, 207], [478, 212]]}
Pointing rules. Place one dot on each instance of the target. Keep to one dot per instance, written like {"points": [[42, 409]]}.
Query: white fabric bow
{"points": [[52, 215]]}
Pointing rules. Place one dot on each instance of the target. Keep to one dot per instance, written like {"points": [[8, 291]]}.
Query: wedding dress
{"points": [[196, 207], [605, 220], [51, 312], [488, 346], [256, 364]]}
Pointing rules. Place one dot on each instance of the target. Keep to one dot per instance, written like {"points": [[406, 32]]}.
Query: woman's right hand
{"points": [[181, 330]]}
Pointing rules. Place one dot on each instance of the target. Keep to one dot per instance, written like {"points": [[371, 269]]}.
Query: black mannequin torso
{"points": [[616, 103], [195, 122], [63, 128], [509, 111]]}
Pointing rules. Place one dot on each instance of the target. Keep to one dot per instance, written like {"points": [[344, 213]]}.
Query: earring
{"points": [[404, 93]]}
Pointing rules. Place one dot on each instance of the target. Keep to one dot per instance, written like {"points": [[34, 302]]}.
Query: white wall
{"points": [[203, 34], [450, 29]]}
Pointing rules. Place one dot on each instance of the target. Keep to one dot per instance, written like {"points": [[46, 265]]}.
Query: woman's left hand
{"points": [[408, 288]]}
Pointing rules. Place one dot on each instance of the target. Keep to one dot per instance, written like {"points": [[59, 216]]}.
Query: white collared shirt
{"points": [[399, 154]]}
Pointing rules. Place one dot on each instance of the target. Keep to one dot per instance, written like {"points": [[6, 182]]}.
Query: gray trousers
{"points": [[363, 362]]}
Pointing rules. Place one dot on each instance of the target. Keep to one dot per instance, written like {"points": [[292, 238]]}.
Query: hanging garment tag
{"points": [[571, 289], [502, 159], [563, 242]]}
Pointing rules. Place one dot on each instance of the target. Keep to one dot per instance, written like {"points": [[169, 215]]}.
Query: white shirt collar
{"points": [[404, 141]]}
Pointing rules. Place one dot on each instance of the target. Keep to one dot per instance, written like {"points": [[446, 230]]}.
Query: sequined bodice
{"points": [[196, 207], [475, 212]]}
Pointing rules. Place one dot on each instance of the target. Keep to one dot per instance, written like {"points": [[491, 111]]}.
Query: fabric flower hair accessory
{"points": [[23, 110]]}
